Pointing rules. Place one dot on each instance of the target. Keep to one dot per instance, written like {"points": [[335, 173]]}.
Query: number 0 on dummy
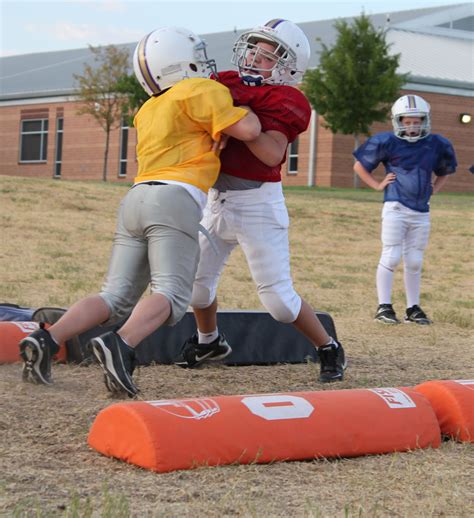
{"points": [[169, 435]]}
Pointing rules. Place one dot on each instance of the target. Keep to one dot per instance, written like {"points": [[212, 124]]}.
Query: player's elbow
{"points": [[272, 160], [273, 163]]}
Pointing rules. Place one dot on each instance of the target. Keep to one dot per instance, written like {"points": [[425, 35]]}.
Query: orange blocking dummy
{"points": [[186, 433], [453, 403], [10, 335]]}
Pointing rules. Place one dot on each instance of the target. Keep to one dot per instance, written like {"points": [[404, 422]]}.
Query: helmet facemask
{"points": [[409, 132], [200, 52], [246, 53]]}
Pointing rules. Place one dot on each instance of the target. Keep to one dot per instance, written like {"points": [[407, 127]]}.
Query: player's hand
{"points": [[246, 107], [220, 144], [389, 178]]}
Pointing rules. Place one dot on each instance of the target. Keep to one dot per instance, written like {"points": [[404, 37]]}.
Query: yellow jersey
{"points": [[176, 130]]}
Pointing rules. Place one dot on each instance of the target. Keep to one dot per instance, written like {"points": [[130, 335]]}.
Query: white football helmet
{"points": [[411, 106], [168, 55], [291, 53]]}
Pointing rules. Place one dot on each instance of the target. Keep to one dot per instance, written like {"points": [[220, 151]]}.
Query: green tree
{"points": [[356, 81], [136, 95], [98, 88]]}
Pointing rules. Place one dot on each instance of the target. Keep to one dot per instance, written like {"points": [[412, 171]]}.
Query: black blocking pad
{"points": [[255, 337]]}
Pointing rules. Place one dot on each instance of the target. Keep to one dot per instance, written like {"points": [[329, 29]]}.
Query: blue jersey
{"points": [[412, 162]]}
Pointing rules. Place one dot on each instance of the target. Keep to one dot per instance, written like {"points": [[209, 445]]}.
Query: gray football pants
{"points": [[156, 242]]}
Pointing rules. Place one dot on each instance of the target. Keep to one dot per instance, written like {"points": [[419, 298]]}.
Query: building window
{"points": [[59, 147], [123, 147], [293, 157], [34, 140]]}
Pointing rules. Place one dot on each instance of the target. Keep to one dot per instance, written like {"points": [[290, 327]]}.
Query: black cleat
{"points": [[386, 314], [333, 363], [194, 354], [416, 315], [37, 351], [117, 360]]}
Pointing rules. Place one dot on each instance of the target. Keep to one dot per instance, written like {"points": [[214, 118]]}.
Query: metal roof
{"points": [[433, 51], [434, 57]]}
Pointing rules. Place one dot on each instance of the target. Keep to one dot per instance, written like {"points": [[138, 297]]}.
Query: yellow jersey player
{"points": [[156, 238]]}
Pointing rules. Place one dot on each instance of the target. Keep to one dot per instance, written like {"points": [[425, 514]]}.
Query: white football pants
{"points": [[257, 220], [405, 232]]}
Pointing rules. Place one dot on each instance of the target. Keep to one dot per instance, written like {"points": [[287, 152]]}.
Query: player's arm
{"points": [[285, 113], [368, 179], [248, 128], [438, 183], [269, 147], [446, 165]]}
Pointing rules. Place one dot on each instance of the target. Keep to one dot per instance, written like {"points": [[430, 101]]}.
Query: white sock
{"points": [[124, 341], [412, 288], [207, 338], [52, 338], [331, 342], [384, 279]]}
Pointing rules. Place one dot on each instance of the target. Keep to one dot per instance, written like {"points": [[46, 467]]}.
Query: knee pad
{"points": [[391, 256], [202, 297], [413, 261], [283, 307]]}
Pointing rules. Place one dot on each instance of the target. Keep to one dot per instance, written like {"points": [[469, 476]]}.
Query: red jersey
{"points": [[279, 108]]}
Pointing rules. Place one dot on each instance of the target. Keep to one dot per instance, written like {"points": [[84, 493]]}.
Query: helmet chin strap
{"points": [[251, 79]]}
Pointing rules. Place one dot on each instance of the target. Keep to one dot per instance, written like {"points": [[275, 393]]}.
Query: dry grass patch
{"points": [[56, 239]]}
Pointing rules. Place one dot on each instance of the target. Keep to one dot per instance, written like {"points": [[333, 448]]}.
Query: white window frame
{"points": [[58, 160], [124, 129], [293, 156], [44, 135]]}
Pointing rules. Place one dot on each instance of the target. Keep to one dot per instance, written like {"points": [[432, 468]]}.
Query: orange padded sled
{"points": [[453, 403], [186, 433], [10, 335]]}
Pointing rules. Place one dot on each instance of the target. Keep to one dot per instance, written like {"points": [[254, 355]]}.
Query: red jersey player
{"points": [[246, 205]]}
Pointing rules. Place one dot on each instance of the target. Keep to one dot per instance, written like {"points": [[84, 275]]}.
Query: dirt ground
{"points": [[56, 252], [47, 469]]}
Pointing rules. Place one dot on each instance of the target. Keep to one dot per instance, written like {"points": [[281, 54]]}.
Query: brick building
{"points": [[43, 136]]}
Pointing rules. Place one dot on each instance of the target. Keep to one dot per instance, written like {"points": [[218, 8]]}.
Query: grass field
{"points": [[56, 239]]}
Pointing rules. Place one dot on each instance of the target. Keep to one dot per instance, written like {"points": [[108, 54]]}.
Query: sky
{"points": [[29, 26]]}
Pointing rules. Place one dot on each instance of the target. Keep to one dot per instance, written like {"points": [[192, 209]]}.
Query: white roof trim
{"points": [[39, 100], [428, 24], [437, 89]]}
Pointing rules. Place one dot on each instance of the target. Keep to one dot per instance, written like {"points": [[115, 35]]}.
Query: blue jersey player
{"points": [[410, 156]]}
